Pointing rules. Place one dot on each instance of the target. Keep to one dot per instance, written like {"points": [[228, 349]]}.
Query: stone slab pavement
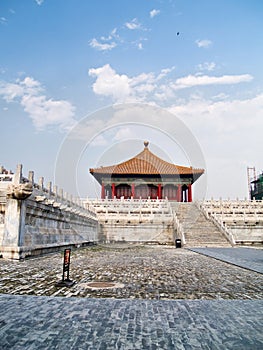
{"points": [[33, 322], [152, 310], [248, 258], [146, 272]]}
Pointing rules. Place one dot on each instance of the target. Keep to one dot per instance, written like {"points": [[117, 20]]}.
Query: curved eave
{"points": [[194, 175], [146, 164], [113, 173]]}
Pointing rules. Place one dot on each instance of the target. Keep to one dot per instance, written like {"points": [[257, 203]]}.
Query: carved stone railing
{"points": [[38, 217], [139, 209], [223, 228], [179, 229], [241, 220], [219, 224]]}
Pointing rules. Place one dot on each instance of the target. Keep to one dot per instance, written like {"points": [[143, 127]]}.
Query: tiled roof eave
{"points": [[146, 163], [116, 173]]}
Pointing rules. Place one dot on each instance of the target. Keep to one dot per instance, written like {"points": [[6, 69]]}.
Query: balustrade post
{"points": [[41, 183], [49, 187], [31, 177], [14, 229]]}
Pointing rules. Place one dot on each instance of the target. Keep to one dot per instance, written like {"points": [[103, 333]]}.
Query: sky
{"points": [[84, 83]]}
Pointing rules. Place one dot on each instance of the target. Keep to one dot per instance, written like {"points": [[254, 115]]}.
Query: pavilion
{"points": [[147, 176]]}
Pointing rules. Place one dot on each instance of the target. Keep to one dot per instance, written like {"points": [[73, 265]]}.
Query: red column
{"points": [[133, 190], [179, 193], [113, 194], [102, 191], [159, 191], [189, 199]]}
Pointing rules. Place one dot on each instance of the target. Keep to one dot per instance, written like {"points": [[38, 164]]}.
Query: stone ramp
{"points": [[197, 229], [72, 323]]}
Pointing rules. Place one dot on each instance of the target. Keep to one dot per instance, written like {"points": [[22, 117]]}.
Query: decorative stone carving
{"points": [[40, 198], [20, 191]]}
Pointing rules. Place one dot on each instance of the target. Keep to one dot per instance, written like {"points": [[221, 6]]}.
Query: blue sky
{"points": [[63, 60]]}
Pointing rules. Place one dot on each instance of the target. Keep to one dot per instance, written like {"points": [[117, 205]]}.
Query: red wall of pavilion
{"points": [[171, 192]]}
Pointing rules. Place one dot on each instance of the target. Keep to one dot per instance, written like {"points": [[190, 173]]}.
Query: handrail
{"points": [[179, 229], [223, 229]]}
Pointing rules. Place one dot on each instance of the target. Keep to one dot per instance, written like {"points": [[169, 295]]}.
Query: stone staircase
{"points": [[197, 229]]}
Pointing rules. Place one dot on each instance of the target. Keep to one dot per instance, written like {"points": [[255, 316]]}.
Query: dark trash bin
{"points": [[178, 243]]}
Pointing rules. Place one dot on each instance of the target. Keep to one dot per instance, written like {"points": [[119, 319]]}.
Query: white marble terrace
{"points": [[241, 218], [234, 212], [140, 210]]}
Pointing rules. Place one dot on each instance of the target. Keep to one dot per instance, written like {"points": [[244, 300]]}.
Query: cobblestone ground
{"points": [[34, 323], [144, 272]]}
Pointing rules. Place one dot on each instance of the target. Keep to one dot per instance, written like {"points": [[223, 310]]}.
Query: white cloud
{"points": [[88, 129], [44, 112], [139, 43], [220, 96], [10, 91], [142, 79], [204, 43], [114, 32], [118, 37], [148, 86], [154, 13], [165, 72], [124, 133], [122, 88], [3, 20], [106, 43], [192, 80], [109, 83], [230, 135], [164, 93], [102, 46], [99, 140], [206, 66], [222, 118], [39, 2], [134, 24]]}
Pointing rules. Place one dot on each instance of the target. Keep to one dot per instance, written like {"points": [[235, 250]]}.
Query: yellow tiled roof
{"points": [[146, 163]]}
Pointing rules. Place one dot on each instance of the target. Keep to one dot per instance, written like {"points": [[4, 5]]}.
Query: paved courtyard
{"points": [[144, 272], [162, 298], [79, 323]]}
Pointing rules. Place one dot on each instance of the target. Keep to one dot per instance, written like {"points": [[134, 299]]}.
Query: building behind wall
{"points": [[256, 188]]}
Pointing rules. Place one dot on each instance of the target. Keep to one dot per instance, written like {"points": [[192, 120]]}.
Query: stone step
{"points": [[198, 230]]}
